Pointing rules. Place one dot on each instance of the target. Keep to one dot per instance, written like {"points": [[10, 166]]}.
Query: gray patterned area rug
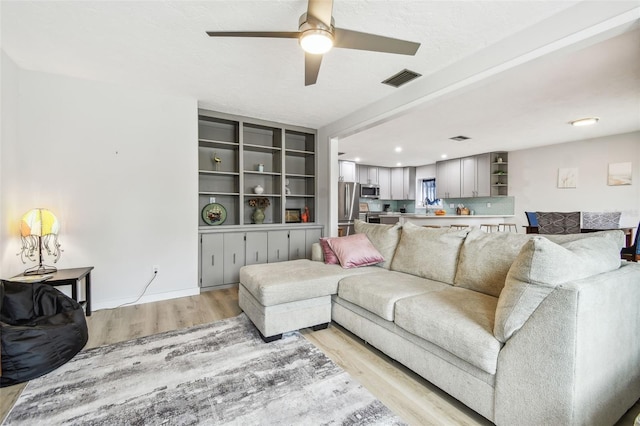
{"points": [[218, 373]]}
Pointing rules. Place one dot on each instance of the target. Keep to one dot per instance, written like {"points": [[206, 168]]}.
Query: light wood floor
{"points": [[412, 398]]}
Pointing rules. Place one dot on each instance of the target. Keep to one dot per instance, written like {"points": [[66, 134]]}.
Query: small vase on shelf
{"points": [[258, 215]]}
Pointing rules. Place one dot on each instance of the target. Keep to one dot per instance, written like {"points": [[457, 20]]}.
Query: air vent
{"points": [[403, 77], [459, 138]]}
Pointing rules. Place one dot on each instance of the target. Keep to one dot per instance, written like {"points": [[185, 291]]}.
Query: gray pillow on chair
{"points": [[558, 222], [601, 220]]}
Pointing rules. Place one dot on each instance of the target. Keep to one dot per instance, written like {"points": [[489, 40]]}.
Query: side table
{"points": [[73, 277]]}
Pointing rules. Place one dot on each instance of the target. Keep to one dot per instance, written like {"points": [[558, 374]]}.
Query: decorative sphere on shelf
{"points": [[258, 189]]}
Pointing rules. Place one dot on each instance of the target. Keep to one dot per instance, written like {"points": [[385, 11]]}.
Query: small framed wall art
{"points": [[619, 174], [292, 215], [214, 214]]}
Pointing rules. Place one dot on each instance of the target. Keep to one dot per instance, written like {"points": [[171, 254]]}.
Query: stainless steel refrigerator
{"points": [[348, 207]]}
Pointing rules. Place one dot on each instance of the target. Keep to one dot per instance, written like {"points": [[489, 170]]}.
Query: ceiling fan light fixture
{"points": [[316, 41]]}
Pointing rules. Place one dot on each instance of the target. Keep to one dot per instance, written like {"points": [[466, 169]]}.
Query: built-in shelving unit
{"points": [[499, 174], [236, 155]]}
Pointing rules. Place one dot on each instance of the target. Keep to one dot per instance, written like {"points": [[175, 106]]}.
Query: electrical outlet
{"points": [[488, 204], [451, 205], [155, 269]]}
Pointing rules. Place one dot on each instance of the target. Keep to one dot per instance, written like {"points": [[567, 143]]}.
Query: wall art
{"points": [[619, 174]]}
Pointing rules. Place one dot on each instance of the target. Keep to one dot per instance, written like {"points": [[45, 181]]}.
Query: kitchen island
{"points": [[446, 220]]}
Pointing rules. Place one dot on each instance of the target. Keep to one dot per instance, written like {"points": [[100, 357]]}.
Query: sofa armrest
{"points": [[316, 253], [576, 360]]}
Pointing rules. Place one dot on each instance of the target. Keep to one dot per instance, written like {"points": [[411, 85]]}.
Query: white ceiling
{"points": [[163, 46]]}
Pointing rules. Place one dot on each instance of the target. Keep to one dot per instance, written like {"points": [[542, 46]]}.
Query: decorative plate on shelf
{"points": [[214, 214]]}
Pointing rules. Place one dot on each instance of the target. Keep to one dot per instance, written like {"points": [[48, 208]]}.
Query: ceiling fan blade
{"points": [[269, 34], [348, 39], [321, 10], [311, 68]]}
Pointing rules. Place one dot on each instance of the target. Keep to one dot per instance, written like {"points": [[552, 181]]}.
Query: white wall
{"points": [[9, 136], [119, 169], [533, 175]]}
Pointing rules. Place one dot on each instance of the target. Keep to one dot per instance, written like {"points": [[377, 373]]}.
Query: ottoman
{"points": [[287, 296]]}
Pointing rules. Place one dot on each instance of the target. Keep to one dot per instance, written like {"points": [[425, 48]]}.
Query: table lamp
{"points": [[39, 229]]}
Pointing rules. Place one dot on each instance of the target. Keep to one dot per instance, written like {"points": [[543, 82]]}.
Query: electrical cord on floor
{"points": [[155, 274]]}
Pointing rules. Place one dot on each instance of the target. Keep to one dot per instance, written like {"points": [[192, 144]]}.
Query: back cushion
{"points": [[428, 252], [485, 259], [558, 222], [607, 220], [383, 237], [540, 267]]}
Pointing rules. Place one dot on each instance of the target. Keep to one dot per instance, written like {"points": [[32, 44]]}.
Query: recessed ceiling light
{"points": [[398, 164], [356, 159], [584, 121], [398, 149], [443, 156]]}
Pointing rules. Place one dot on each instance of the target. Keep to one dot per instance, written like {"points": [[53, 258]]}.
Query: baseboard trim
{"points": [[129, 301]]}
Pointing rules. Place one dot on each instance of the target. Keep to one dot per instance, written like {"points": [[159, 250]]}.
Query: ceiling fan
{"points": [[317, 35]]}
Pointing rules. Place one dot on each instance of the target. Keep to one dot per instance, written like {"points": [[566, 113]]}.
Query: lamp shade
{"points": [[39, 222]]}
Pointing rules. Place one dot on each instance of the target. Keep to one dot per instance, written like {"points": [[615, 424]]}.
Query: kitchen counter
{"points": [[446, 220]]}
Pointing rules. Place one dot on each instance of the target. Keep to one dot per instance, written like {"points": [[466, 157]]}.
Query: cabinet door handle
{"points": [[256, 256], [234, 258], [213, 260], [278, 253]]}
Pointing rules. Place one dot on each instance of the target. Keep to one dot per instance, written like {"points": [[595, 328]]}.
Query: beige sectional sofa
{"points": [[524, 329]]}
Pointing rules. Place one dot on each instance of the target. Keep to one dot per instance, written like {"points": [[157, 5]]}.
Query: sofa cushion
{"points": [[543, 265], [281, 282], [428, 252], [328, 255], [384, 237], [354, 251], [457, 320], [378, 292], [485, 259]]}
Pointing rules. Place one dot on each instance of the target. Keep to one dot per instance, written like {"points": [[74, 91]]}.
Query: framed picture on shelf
{"points": [[292, 215]]}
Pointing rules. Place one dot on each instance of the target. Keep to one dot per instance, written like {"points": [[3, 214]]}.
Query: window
{"points": [[428, 197]]}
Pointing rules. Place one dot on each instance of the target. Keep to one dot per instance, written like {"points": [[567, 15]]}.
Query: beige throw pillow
{"points": [[383, 237], [543, 266], [428, 252]]}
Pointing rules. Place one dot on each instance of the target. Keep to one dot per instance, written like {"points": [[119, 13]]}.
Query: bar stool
{"points": [[458, 226], [507, 227], [489, 227]]}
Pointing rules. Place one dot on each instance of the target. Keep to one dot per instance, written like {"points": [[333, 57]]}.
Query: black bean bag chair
{"points": [[40, 329]]}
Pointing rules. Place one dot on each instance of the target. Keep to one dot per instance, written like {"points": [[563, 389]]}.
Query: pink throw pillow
{"points": [[355, 250], [330, 257]]}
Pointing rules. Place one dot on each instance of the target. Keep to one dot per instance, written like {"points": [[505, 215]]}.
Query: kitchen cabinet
{"points": [[347, 171], [384, 181], [474, 176], [409, 175], [278, 246], [367, 175], [397, 183], [448, 178], [403, 183]]}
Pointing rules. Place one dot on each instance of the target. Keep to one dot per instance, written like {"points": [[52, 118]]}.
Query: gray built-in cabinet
{"points": [[484, 175], [223, 254], [235, 155]]}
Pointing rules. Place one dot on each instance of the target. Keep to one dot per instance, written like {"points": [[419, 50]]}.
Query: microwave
{"points": [[369, 191]]}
